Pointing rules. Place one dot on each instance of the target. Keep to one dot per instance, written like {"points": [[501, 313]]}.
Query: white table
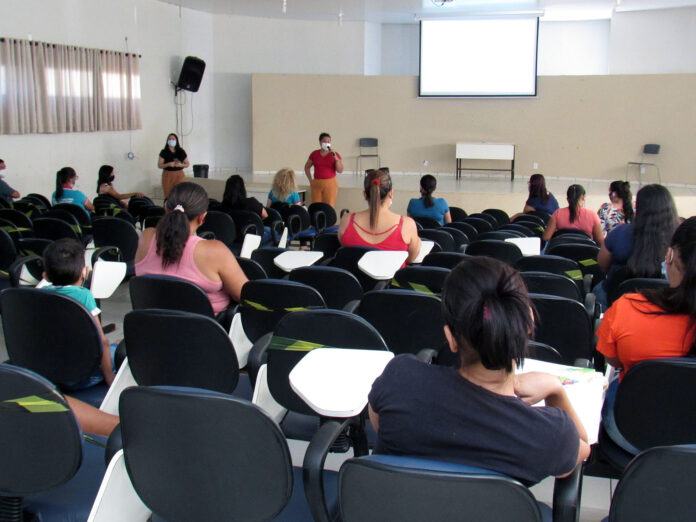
{"points": [[335, 382], [426, 247], [382, 264], [483, 150], [585, 389], [529, 246], [292, 259]]}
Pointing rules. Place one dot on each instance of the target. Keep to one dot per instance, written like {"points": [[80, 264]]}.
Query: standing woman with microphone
{"points": [[172, 160], [327, 163]]}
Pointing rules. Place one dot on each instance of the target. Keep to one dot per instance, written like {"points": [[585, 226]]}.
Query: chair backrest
{"points": [[441, 237], [531, 217], [424, 279], [298, 333], [486, 217], [169, 293], [470, 231], [29, 207], [575, 239], [502, 250], [573, 231], [137, 207], [543, 352], [654, 393], [500, 216], [28, 246], [328, 211], [551, 284], [197, 455], [252, 269], [545, 216], [246, 222], [634, 284], [264, 302], [20, 219], [347, 257], [457, 213], [220, 224], [8, 251], [657, 485], [51, 334], [328, 243], [564, 324], [409, 321], [551, 264], [337, 286], [460, 237], [368, 142], [41, 440], [427, 222], [112, 231], [480, 224], [585, 255], [301, 212], [265, 256], [515, 227], [52, 228], [106, 201], [40, 197], [174, 348], [500, 234], [80, 213], [444, 259], [391, 487]]}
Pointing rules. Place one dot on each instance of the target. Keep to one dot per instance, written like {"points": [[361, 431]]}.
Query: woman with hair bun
{"points": [[576, 216], [66, 191], [427, 205], [174, 249], [480, 413], [619, 210], [379, 227]]}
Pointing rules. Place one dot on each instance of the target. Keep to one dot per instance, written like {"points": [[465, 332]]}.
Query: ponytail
{"points": [[62, 177], [428, 185], [186, 202], [575, 192], [377, 186], [624, 192]]}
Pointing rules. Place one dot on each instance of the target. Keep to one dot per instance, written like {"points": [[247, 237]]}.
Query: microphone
{"points": [[328, 147]]}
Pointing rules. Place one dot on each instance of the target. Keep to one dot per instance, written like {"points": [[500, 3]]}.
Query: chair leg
{"points": [[11, 509]]}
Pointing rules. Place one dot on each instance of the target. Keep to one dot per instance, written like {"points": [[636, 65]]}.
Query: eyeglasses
{"points": [[383, 169]]}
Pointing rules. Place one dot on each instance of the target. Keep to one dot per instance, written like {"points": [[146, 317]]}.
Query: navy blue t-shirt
{"points": [[432, 412], [550, 206], [620, 243]]}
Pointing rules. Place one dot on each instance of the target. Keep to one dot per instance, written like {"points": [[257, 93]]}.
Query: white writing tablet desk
{"points": [[335, 382], [292, 259], [382, 264]]}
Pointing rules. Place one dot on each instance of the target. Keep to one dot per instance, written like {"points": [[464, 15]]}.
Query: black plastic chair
{"points": [[486, 217], [502, 250], [632, 285], [444, 259], [570, 238], [565, 325], [46, 469], [54, 336], [39, 197], [502, 235], [394, 487], [457, 214], [247, 222], [328, 243], [220, 224], [470, 231], [265, 256], [555, 265], [29, 207], [306, 232], [20, 220], [551, 284], [52, 228], [460, 238], [657, 485], [500, 216], [541, 214], [585, 255], [82, 216], [519, 228], [347, 257], [653, 406], [337, 286], [571, 231], [112, 231], [409, 321], [480, 224], [427, 222], [107, 201], [197, 455], [32, 246], [151, 221], [424, 279], [443, 238], [536, 221], [251, 269], [173, 348], [543, 352], [170, 293], [330, 219], [137, 207]]}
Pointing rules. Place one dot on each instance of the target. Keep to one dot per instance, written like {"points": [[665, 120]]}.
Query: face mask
{"points": [[325, 146], [171, 143]]}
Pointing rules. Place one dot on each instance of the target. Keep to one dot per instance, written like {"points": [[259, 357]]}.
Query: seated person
{"points": [[235, 198], [619, 209], [379, 227], [65, 190], [64, 267], [539, 198], [427, 205], [654, 323], [284, 188], [480, 414], [174, 249], [6, 191], [105, 185], [576, 216]]}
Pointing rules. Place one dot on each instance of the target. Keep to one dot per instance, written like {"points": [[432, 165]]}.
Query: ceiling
{"points": [[409, 11]]}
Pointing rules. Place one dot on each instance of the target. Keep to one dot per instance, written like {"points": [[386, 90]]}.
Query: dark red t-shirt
{"points": [[324, 166]]}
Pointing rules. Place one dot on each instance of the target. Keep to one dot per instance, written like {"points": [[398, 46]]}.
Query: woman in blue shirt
{"points": [[427, 205], [284, 189], [65, 190]]}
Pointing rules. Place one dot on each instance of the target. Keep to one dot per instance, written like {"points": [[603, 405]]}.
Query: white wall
{"points": [[372, 49], [400, 49], [155, 30], [573, 48]]}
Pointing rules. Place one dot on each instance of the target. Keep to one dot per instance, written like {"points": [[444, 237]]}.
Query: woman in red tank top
{"points": [[378, 226]]}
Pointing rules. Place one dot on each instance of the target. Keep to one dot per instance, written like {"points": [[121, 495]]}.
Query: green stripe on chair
{"points": [[293, 345], [37, 404], [574, 274], [588, 262]]}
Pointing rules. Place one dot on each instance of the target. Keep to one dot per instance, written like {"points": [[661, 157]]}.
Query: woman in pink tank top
{"points": [[378, 226], [575, 216], [174, 249]]}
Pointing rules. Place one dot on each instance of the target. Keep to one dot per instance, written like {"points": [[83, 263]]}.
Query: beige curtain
{"points": [[50, 88]]}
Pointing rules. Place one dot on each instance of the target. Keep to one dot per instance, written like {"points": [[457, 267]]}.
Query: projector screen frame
{"points": [[493, 96]]}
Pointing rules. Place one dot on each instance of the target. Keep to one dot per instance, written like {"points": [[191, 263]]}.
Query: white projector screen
{"points": [[478, 57]]}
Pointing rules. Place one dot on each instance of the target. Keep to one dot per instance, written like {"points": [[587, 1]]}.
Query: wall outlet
{"points": [[535, 165]]}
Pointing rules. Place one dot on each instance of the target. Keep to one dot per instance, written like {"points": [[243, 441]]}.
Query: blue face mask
{"points": [[664, 271]]}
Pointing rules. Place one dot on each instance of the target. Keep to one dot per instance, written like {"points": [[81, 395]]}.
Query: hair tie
{"points": [[486, 313], [180, 209], [376, 181]]}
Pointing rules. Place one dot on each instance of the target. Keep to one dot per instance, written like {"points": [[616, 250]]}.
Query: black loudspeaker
{"points": [[200, 171], [651, 148], [191, 74]]}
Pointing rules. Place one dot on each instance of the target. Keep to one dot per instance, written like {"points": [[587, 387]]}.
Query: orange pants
{"points": [[171, 178], [324, 190]]}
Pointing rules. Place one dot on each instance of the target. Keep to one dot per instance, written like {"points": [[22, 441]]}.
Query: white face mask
{"points": [[325, 146], [171, 143]]}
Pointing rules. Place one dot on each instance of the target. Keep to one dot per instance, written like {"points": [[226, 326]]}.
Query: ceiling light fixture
{"points": [[285, 6]]}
